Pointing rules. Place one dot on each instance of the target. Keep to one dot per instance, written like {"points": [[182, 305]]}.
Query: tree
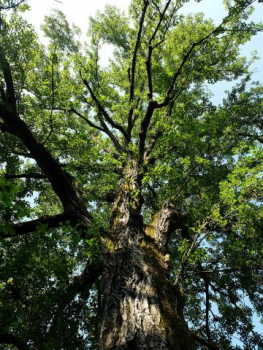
{"points": [[131, 205]]}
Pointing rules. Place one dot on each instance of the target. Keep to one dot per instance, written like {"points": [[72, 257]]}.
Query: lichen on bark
{"points": [[141, 308]]}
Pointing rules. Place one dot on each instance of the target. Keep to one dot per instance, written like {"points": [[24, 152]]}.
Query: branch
{"points": [[22, 154], [131, 117], [160, 21], [7, 338], [25, 176], [216, 31], [205, 342], [144, 128], [8, 7], [230, 270], [63, 184], [60, 180], [207, 308], [73, 110], [137, 45], [30, 226], [111, 135], [80, 285], [164, 223], [103, 111], [151, 48], [10, 90], [149, 72], [252, 137], [152, 144]]}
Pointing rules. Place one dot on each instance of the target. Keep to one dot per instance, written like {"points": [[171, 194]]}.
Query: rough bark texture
{"points": [[141, 308]]}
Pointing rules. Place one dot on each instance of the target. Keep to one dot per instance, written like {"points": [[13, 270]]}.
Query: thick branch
{"points": [[10, 90], [164, 223], [144, 128], [61, 182], [30, 226]]}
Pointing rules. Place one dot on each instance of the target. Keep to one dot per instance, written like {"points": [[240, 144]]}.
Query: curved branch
{"points": [[11, 6], [63, 184]]}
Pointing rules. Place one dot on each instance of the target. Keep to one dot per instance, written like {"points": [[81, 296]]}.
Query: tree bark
{"points": [[141, 308]]}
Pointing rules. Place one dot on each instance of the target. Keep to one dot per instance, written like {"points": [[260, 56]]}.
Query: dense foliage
{"points": [[203, 160]]}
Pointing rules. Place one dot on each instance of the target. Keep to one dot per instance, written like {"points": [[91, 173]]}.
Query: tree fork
{"points": [[141, 309]]}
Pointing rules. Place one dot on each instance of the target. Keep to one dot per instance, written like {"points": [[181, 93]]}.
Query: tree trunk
{"points": [[141, 308]]}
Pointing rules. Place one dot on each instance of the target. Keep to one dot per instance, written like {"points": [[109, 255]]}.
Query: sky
{"points": [[79, 11]]}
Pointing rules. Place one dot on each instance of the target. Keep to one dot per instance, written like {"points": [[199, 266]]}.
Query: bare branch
{"points": [[22, 154], [230, 270]]}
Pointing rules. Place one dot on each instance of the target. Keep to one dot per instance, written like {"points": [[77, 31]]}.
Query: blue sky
{"points": [[78, 12]]}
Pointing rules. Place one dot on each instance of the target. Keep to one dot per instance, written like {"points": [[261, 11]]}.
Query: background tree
{"points": [[145, 231]]}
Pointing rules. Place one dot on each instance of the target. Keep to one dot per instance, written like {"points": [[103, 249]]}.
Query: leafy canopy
{"points": [[204, 159]]}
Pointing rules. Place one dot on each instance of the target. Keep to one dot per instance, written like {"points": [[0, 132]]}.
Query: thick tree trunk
{"points": [[141, 309]]}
